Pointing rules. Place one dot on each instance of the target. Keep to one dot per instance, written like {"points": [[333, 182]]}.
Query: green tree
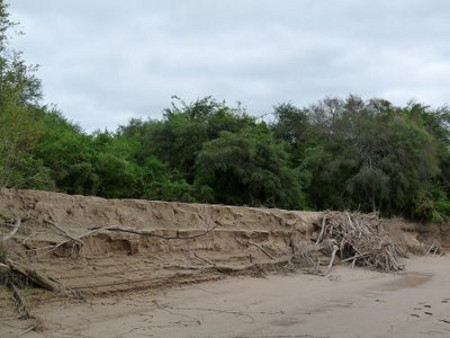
{"points": [[20, 129], [178, 138], [249, 168]]}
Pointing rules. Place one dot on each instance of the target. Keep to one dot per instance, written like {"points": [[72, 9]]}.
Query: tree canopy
{"points": [[339, 153]]}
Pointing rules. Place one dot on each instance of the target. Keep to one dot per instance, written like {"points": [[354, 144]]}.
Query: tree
{"points": [[249, 168], [20, 129], [179, 137], [366, 155]]}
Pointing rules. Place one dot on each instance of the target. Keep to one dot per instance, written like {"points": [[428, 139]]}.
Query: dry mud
{"points": [[117, 274]]}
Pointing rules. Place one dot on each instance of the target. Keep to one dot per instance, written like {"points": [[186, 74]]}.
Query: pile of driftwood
{"points": [[361, 239]]}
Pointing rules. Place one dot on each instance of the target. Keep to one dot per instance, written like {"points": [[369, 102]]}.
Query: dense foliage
{"points": [[336, 154]]}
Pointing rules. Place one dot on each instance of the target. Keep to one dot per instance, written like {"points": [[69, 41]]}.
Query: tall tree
{"points": [[20, 91]]}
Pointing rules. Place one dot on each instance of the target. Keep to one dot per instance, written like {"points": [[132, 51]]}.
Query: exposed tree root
{"points": [[77, 240], [116, 228], [262, 249]]}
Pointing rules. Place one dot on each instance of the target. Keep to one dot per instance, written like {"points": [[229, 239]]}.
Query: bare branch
{"points": [[333, 256], [262, 249], [13, 231], [65, 232]]}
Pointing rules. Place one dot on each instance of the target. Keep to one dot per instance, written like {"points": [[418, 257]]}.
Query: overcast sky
{"points": [[103, 61]]}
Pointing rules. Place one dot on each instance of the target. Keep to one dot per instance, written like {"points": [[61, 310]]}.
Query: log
{"points": [[36, 277]]}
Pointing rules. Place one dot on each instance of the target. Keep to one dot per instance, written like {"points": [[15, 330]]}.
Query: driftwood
{"points": [[34, 276], [256, 245], [333, 256], [324, 219], [361, 239]]}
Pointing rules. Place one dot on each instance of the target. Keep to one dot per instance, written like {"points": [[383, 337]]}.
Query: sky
{"points": [[103, 62]]}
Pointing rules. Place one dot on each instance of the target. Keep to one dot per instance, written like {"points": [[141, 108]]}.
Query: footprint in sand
{"points": [[427, 306], [415, 315]]}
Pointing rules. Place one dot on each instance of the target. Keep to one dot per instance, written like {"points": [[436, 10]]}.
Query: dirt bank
{"points": [[183, 244], [121, 261]]}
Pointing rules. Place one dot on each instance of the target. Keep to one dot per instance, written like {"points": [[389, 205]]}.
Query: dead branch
{"points": [[13, 231], [355, 257], [322, 231], [207, 261], [37, 325], [362, 239], [63, 231], [234, 269], [262, 249], [116, 228], [333, 256], [33, 275]]}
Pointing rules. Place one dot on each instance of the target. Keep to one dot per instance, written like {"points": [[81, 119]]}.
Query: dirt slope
{"points": [[109, 262]]}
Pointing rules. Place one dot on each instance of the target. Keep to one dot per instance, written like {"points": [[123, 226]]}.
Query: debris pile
{"points": [[362, 239]]}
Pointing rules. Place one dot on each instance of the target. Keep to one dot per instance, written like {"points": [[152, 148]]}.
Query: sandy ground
{"points": [[348, 303], [133, 285]]}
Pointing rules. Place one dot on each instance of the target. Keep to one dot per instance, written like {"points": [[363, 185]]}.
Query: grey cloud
{"points": [[105, 61]]}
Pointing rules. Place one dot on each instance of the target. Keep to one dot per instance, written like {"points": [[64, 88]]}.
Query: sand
{"points": [[348, 303], [127, 285], [118, 262]]}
